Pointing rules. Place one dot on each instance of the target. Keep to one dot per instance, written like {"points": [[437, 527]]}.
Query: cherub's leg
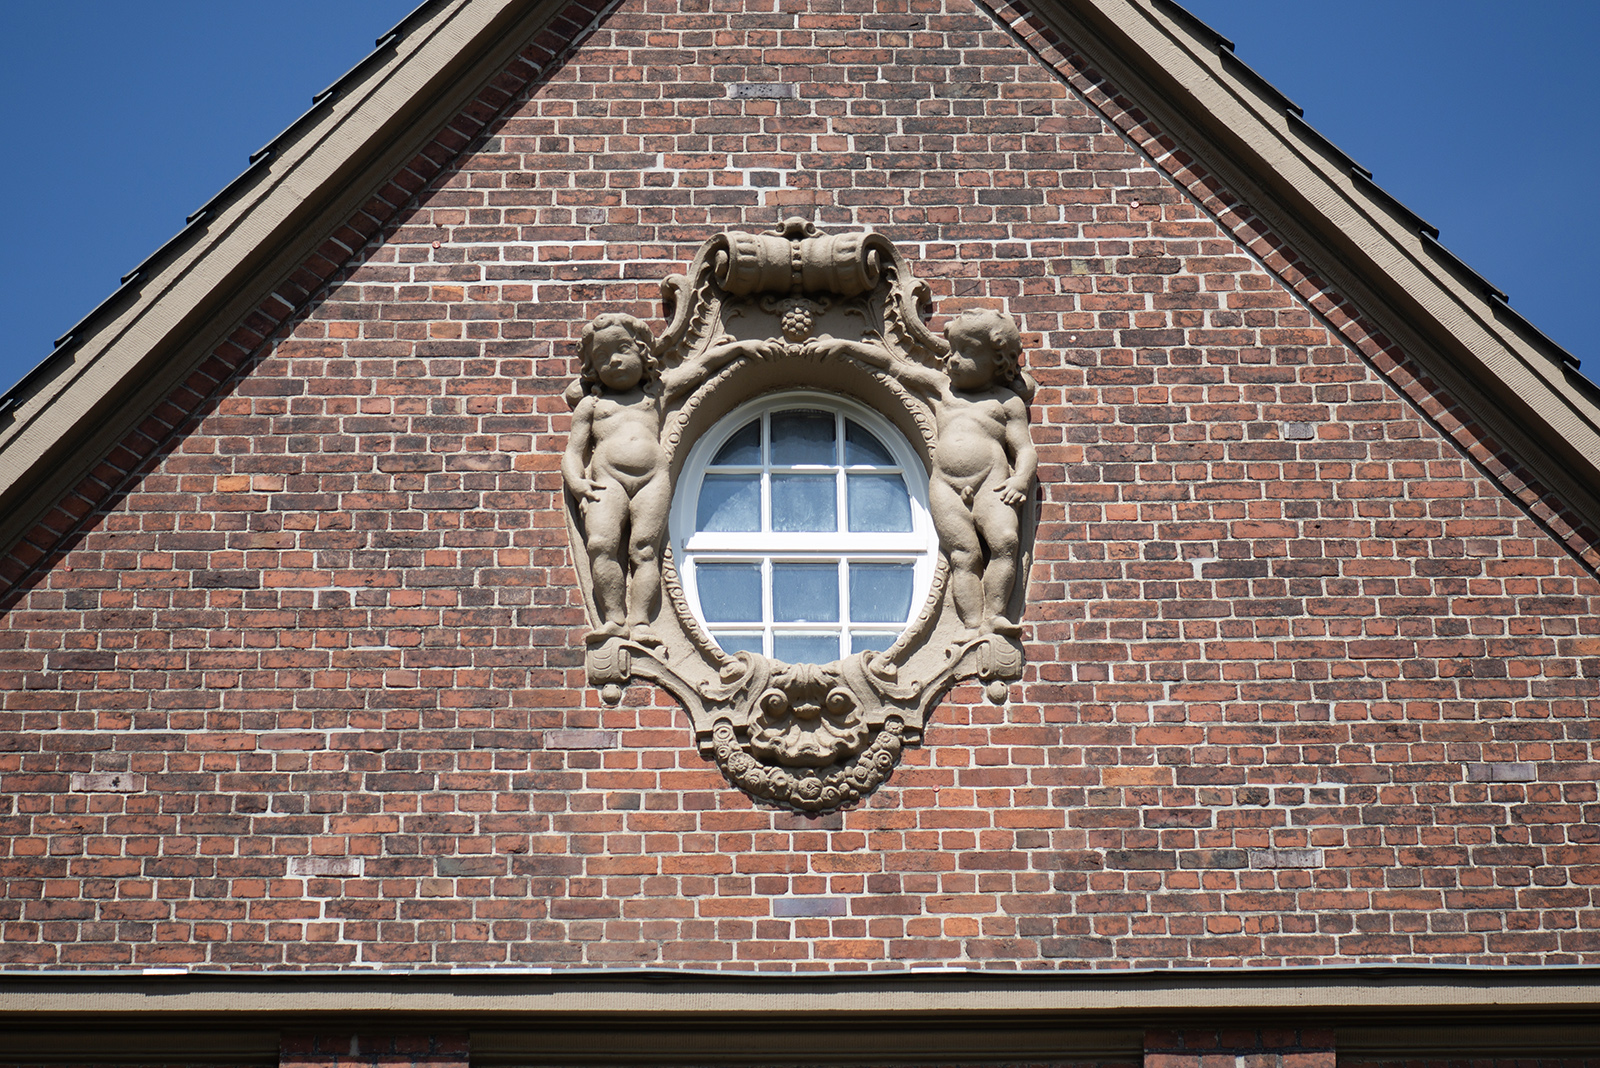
{"points": [[997, 522], [648, 525], [603, 520], [958, 536]]}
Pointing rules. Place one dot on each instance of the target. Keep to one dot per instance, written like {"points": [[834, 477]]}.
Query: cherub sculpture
{"points": [[983, 459], [616, 469]]}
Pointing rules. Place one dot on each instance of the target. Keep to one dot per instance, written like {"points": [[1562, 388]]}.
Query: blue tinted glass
{"points": [[730, 593], [729, 502], [806, 648], [802, 438], [805, 593], [861, 447], [878, 503], [804, 502], [743, 448], [880, 593], [739, 643], [869, 643]]}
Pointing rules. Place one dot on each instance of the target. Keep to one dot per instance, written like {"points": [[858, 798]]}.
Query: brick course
{"points": [[1286, 603], [374, 1049], [1284, 1047]]}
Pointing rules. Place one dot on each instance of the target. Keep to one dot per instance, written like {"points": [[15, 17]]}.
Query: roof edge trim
{"points": [[169, 317], [1370, 249]]}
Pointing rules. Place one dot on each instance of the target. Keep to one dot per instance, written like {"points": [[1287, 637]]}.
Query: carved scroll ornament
{"points": [[836, 314]]}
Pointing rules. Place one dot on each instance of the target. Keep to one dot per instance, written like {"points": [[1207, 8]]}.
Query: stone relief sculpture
{"points": [[983, 459], [616, 469], [837, 315]]}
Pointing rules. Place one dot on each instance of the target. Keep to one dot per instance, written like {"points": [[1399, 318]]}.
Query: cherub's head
{"points": [[615, 352], [985, 347]]}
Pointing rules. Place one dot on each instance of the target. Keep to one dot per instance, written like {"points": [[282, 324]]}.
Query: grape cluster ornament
{"points": [[798, 316]]}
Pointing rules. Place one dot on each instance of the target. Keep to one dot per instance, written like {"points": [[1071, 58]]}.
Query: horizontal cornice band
{"points": [[667, 995]]}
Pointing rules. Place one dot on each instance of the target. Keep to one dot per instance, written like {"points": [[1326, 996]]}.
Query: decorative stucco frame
{"points": [[841, 315]]}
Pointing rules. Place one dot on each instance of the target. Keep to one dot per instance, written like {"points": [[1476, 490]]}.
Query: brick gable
{"points": [[1314, 671]]}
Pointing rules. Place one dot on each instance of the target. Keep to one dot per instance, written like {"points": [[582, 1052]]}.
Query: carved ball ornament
{"points": [[835, 316]]}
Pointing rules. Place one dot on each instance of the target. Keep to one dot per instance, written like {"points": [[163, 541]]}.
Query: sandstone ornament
{"points": [[839, 315]]}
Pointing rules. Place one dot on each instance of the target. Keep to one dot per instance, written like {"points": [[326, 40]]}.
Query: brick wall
{"points": [[1485, 1060], [378, 1048], [293, 681], [1282, 1047]]}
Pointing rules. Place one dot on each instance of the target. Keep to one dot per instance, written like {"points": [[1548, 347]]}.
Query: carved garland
{"points": [[786, 309]]}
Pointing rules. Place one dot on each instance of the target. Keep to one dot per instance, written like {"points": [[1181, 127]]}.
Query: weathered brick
{"points": [[1502, 771]]}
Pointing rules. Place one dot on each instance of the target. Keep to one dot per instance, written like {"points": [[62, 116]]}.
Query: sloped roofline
{"points": [[118, 365], [113, 369], [1516, 384]]}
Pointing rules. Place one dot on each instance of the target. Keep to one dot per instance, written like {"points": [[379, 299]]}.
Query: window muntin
{"points": [[802, 530]]}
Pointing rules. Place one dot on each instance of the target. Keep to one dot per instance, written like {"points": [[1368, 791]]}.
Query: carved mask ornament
{"points": [[835, 315]]}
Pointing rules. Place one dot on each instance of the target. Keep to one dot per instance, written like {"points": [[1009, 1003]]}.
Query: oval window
{"points": [[801, 529]]}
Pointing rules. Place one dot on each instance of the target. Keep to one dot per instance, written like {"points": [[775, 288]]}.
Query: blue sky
{"points": [[1480, 115]]}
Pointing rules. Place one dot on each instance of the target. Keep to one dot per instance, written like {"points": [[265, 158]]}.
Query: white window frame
{"points": [[918, 547]]}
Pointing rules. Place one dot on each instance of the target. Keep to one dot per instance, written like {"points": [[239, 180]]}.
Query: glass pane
{"points": [[805, 593], [805, 502], [743, 448], [730, 593], [863, 643], [729, 502], [739, 643], [880, 593], [802, 438], [861, 447], [878, 503], [806, 648]]}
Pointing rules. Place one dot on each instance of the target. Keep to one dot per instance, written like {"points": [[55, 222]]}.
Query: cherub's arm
{"points": [[918, 377], [1019, 443], [693, 371], [922, 379], [575, 461]]}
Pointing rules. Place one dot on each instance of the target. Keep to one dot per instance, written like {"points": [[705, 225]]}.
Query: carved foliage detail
{"points": [[813, 790]]}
